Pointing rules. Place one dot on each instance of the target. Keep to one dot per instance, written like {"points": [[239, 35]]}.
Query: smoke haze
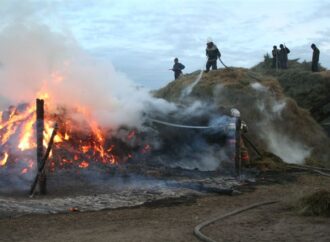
{"points": [[37, 60]]}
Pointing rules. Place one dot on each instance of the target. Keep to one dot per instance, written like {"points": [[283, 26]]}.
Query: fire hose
{"points": [[203, 237], [315, 169], [183, 126], [223, 63]]}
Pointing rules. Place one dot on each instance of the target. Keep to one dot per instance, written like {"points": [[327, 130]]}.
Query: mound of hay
{"points": [[269, 162], [309, 89], [276, 123], [316, 204]]}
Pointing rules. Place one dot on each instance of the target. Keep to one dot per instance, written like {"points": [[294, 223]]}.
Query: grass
{"points": [[315, 204]]}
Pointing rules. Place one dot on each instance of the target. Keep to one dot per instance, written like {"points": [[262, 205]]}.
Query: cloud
{"points": [[142, 37]]}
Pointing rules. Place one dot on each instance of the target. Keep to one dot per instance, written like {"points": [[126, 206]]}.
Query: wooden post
{"points": [[40, 148], [41, 170], [238, 163]]}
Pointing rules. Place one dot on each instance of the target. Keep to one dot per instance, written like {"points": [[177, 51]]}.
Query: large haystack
{"points": [[309, 89], [276, 123]]}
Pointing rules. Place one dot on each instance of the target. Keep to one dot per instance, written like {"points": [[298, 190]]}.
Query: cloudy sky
{"points": [[141, 37]]}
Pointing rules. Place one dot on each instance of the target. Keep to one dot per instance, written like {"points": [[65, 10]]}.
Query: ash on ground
{"points": [[89, 190]]}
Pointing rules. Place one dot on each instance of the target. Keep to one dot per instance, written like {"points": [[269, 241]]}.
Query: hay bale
{"points": [[316, 204]]}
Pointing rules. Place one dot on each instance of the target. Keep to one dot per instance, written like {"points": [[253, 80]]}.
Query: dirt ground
{"points": [[175, 220]]}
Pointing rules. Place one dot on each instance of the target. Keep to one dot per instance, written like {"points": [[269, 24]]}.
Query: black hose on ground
{"points": [[315, 169], [310, 167], [203, 237]]}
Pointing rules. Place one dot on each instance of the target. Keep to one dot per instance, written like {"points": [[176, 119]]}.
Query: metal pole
{"points": [[40, 148]]}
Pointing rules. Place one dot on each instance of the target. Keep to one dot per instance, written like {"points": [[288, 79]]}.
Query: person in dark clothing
{"points": [[212, 53], [283, 56], [315, 59], [177, 68], [275, 57]]}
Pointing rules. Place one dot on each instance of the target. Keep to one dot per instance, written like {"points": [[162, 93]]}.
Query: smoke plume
{"points": [[36, 60]]}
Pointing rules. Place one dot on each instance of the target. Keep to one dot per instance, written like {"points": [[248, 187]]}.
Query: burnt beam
{"points": [[40, 124]]}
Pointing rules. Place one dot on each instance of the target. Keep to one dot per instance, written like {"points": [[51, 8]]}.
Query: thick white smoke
{"points": [[278, 142], [36, 59]]}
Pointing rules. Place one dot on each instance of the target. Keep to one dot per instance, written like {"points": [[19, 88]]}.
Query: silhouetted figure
{"points": [[283, 56], [177, 68], [315, 59], [212, 53], [275, 57]]}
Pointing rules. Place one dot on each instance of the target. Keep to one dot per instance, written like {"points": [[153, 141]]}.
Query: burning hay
{"points": [[81, 144], [315, 204]]}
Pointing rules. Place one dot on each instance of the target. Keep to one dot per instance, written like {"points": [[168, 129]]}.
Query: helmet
{"points": [[235, 113], [209, 40]]}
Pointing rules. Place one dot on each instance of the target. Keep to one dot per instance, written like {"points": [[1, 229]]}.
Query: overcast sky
{"points": [[142, 37]]}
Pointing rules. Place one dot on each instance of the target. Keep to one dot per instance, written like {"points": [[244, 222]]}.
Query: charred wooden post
{"points": [[238, 162], [41, 169], [40, 149]]}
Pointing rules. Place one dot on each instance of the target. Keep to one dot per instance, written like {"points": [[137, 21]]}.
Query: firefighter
{"points": [[177, 68], [212, 53], [315, 58], [275, 57], [283, 56], [244, 154]]}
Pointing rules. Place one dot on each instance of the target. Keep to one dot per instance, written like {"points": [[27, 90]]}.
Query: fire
{"points": [[8, 132], [24, 171], [84, 164], [17, 125], [26, 135], [3, 161], [76, 144]]}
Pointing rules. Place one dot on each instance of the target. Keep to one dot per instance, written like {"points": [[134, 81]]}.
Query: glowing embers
{"points": [[84, 164]]}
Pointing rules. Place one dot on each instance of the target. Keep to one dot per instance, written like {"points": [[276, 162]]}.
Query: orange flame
{"points": [[16, 124], [26, 135], [4, 159]]}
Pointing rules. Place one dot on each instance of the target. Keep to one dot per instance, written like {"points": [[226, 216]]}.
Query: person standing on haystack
{"points": [[244, 154], [177, 68], [283, 56], [275, 57], [212, 53], [315, 59]]}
